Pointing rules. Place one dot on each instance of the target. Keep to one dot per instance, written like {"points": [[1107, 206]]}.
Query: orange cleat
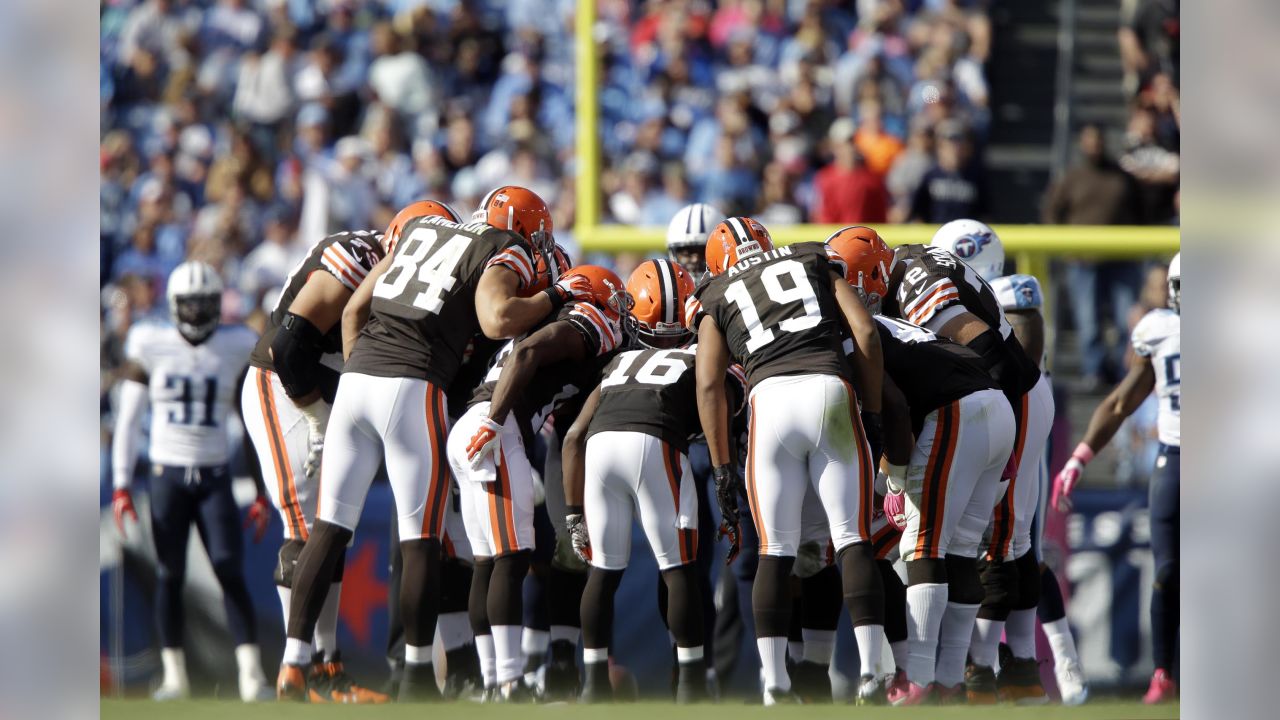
{"points": [[291, 683], [330, 683]]}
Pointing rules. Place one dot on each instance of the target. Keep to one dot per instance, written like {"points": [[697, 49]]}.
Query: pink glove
{"points": [[1069, 476], [895, 509], [122, 505], [258, 516]]}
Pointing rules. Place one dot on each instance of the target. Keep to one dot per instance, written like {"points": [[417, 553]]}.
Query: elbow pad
{"points": [[296, 352]]}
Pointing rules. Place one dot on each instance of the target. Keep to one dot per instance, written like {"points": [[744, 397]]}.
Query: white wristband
{"points": [[896, 478], [317, 415]]}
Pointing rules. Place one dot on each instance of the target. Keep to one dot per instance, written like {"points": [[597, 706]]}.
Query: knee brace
{"points": [[999, 588], [964, 586], [926, 571], [287, 562], [863, 590], [1028, 582]]}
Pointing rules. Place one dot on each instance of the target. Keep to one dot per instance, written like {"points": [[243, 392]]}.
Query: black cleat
{"points": [[979, 685], [462, 673], [562, 671], [418, 684], [811, 681]]}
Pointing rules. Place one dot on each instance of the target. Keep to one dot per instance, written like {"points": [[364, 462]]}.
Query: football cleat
{"points": [[951, 695], [777, 696], [463, 678], [165, 693], [873, 690], [515, 692], [1071, 683], [917, 695], [418, 684], [1019, 679], [1162, 688], [979, 685], [329, 683], [291, 683], [562, 672], [897, 689]]}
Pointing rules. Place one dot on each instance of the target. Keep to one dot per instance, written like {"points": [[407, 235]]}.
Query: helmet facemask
{"points": [[196, 315], [1175, 293]]}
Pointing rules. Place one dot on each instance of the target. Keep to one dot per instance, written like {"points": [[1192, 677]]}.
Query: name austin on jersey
{"points": [[774, 254]]}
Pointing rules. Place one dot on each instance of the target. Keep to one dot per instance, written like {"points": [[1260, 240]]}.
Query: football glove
{"points": [[569, 288], [121, 505], [895, 509], [317, 415], [727, 499], [259, 517], [1069, 477], [576, 524], [488, 439], [874, 429]]}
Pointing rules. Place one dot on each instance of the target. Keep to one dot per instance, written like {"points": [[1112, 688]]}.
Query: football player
{"points": [[932, 287], [286, 403], [1158, 345], [626, 456], [687, 237], [404, 334], [1011, 570], [780, 313], [940, 486], [548, 371], [187, 372], [1022, 299]]}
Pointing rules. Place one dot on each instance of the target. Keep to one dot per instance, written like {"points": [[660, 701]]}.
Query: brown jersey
{"points": [[778, 312], [423, 314], [348, 257], [935, 284], [653, 392]]}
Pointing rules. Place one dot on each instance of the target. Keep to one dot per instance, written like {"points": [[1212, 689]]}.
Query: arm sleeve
{"points": [[601, 334], [124, 445], [939, 295], [344, 264], [516, 258]]}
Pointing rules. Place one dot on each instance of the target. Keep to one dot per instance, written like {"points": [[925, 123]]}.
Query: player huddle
{"points": [[866, 403]]}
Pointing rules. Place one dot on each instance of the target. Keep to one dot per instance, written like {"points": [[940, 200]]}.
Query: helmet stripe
{"points": [[666, 285], [740, 233], [688, 224]]}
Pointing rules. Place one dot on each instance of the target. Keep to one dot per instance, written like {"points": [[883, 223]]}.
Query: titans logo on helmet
{"points": [[970, 245]]}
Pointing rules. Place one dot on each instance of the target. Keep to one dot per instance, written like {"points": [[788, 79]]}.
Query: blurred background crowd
{"points": [[241, 131]]}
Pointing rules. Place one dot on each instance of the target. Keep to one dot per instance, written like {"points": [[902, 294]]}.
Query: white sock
{"points": [[417, 654], [953, 643], [488, 665], [773, 661], [507, 654], [1061, 642], [899, 650], [326, 638], [985, 642], [689, 654], [795, 650], [174, 663], [251, 678], [926, 606], [818, 645], [455, 629], [565, 632], [297, 652], [533, 643], [1020, 633], [285, 596], [870, 645], [592, 656]]}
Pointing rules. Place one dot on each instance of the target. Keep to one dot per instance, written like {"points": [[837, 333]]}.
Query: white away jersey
{"points": [[1018, 292], [191, 388], [1158, 337]]}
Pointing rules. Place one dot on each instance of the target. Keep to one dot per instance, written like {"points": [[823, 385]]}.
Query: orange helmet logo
{"points": [[422, 208], [867, 259], [733, 240], [659, 289]]}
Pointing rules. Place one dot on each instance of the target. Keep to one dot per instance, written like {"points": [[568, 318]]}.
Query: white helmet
{"points": [[195, 300], [975, 243], [689, 228], [1175, 282]]}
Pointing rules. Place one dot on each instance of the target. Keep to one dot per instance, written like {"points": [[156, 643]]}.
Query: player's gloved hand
{"points": [[1069, 477], [121, 505], [576, 524], [874, 428], [727, 499], [317, 416], [895, 497], [488, 439], [569, 288], [258, 516]]}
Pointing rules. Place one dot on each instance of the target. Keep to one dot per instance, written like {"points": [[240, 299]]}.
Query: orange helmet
{"points": [[737, 238], [515, 208], [607, 290], [543, 274], [421, 208], [659, 289], [867, 259]]}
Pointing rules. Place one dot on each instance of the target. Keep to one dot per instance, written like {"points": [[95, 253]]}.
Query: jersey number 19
{"points": [[801, 291]]}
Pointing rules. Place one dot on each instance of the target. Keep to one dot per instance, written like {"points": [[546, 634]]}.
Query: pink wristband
{"points": [[1083, 453]]}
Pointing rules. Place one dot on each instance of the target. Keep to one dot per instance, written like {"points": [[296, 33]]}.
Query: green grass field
{"points": [[195, 709]]}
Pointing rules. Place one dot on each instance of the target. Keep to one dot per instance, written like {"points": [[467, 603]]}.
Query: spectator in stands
{"points": [[1161, 98], [909, 168], [1096, 191], [954, 187], [1155, 169], [264, 89], [1149, 41], [401, 79], [777, 198], [846, 191], [267, 266], [876, 146], [732, 184]]}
